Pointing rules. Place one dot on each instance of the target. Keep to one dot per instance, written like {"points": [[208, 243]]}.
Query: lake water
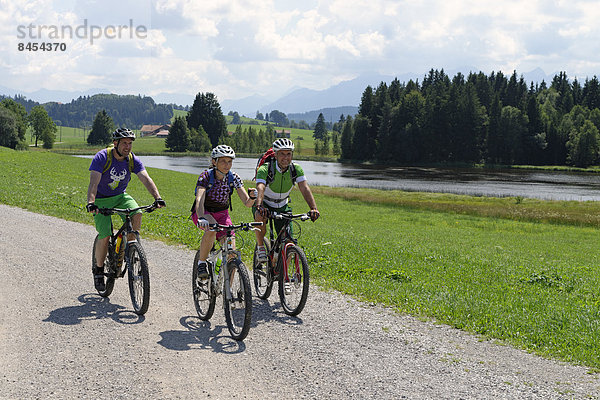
{"points": [[548, 185]]}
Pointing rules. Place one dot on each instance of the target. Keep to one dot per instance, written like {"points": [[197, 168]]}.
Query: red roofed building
{"points": [[155, 130]]}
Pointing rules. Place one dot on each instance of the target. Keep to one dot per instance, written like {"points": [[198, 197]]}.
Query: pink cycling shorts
{"points": [[222, 217]]}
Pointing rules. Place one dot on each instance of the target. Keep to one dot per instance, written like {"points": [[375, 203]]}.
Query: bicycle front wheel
{"points": [[109, 280], [293, 291], [202, 290], [139, 278], [262, 274], [238, 308]]}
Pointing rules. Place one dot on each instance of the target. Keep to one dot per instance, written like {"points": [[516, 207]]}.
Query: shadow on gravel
{"points": [[93, 307], [264, 312], [200, 335]]}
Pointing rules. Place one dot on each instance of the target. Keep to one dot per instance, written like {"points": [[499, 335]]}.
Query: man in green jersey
{"points": [[274, 189]]}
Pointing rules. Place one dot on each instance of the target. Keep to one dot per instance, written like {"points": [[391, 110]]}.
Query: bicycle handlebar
{"points": [[246, 226], [111, 211], [290, 216]]}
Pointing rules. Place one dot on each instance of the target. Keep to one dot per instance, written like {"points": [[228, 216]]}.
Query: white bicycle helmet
{"points": [[283, 144], [222, 150]]}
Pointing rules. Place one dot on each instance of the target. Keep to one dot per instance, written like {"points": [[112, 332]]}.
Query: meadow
{"points": [[74, 141], [520, 271]]}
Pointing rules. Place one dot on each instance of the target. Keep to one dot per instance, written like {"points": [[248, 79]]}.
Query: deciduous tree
{"points": [[583, 145], [9, 133], [44, 128]]}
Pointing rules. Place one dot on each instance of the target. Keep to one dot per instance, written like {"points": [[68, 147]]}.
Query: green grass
{"points": [[178, 113], [581, 213], [473, 263], [73, 141]]}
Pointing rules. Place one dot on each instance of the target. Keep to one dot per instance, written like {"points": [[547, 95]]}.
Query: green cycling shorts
{"points": [[123, 200]]}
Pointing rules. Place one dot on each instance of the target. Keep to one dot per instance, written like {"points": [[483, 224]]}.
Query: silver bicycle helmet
{"points": [[283, 144], [122, 133], [222, 150]]}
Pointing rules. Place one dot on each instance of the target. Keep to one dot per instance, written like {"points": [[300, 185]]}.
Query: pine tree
{"points": [[535, 141], [102, 129], [206, 113], [360, 138], [495, 135], [179, 136], [591, 93], [346, 140], [335, 143], [199, 141], [320, 130]]}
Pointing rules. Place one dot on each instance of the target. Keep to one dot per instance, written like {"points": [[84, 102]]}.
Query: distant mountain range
{"points": [[46, 96], [346, 93], [331, 114], [297, 101]]}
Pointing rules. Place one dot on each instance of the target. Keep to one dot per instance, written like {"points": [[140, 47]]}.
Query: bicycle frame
{"points": [[287, 265], [237, 294], [130, 258], [226, 251], [283, 241], [125, 229]]}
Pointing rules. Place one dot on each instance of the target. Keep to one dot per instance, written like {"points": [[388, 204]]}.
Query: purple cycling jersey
{"points": [[115, 180], [218, 196]]}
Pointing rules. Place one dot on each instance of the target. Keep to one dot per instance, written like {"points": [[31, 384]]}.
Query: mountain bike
{"points": [[120, 249], [227, 275], [286, 264]]}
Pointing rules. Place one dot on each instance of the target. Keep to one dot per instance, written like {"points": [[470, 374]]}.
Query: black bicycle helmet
{"points": [[122, 133]]}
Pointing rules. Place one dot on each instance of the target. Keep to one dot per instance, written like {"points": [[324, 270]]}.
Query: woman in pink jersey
{"points": [[213, 197]]}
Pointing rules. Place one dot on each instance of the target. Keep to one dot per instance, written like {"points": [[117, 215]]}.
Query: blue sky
{"points": [[237, 48]]}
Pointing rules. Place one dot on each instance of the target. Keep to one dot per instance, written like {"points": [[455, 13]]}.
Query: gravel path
{"points": [[60, 340]]}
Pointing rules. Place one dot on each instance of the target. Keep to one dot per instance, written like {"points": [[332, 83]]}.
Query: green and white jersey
{"points": [[278, 191]]}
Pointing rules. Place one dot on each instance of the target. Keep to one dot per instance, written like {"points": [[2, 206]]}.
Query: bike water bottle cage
{"points": [[109, 158]]}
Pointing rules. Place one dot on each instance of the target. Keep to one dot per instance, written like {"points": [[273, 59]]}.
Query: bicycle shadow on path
{"points": [[204, 336], [93, 307], [264, 312], [200, 335]]}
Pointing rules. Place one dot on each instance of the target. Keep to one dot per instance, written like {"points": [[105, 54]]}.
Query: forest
{"points": [[476, 119], [125, 110]]}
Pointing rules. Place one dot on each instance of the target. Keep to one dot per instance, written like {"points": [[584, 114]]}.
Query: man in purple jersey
{"points": [[110, 173]]}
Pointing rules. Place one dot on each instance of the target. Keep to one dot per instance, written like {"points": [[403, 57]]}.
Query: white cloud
{"points": [[240, 47]]}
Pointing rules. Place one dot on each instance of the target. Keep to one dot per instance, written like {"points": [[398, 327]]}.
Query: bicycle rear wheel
{"points": [[238, 309], [109, 282], [294, 292], [262, 275], [139, 278], [202, 290]]}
